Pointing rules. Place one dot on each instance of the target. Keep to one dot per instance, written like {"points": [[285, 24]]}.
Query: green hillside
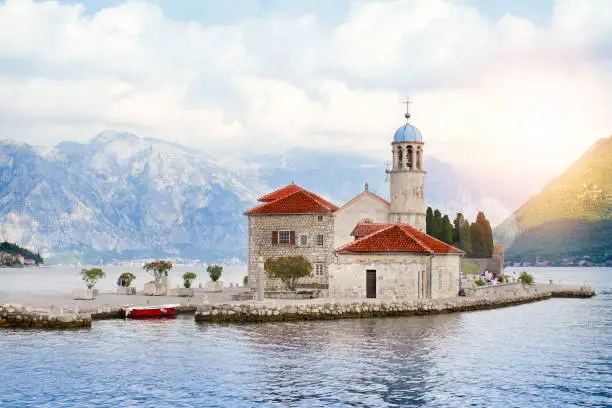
{"points": [[14, 249], [571, 217]]}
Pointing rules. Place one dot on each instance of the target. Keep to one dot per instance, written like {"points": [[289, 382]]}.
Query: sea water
{"points": [[551, 353]]}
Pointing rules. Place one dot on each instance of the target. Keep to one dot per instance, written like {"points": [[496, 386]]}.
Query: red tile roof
{"points": [[366, 228], [298, 202], [280, 193], [396, 238]]}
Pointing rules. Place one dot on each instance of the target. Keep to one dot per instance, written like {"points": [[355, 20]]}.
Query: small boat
{"points": [[149, 311]]}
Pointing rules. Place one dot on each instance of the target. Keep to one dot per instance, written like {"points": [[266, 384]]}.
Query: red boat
{"points": [[149, 311]]}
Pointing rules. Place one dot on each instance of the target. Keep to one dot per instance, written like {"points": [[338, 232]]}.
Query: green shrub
{"points": [[315, 285], [526, 278], [480, 282], [214, 271], [91, 276], [158, 269], [288, 269], [502, 279], [128, 278], [187, 278]]}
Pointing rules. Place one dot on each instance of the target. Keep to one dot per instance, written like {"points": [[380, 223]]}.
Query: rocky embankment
{"points": [[325, 309], [18, 316], [568, 291]]}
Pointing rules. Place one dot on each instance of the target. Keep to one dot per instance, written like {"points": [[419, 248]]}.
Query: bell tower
{"points": [[407, 176]]}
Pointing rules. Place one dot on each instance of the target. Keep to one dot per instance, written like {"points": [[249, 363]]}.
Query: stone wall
{"points": [[494, 290], [446, 274], [18, 316], [323, 310], [397, 275], [567, 291], [490, 264], [260, 238]]}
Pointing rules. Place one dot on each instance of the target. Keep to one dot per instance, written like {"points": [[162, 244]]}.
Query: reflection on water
{"points": [[549, 353]]}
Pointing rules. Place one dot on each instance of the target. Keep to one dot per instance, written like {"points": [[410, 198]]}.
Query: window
{"points": [[304, 240], [400, 159], [319, 269], [284, 237], [320, 240], [409, 158], [319, 218]]}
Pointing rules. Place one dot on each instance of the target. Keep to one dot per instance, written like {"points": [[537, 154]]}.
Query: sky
{"points": [[511, 92]]}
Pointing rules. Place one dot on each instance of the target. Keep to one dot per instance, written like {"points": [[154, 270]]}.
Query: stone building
{"points": [[369, 247], [292, 222], [394, 260]]}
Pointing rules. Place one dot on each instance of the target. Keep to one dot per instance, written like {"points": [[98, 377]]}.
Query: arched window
{"points": [[409, 158], [419, 158], [400, 157]]}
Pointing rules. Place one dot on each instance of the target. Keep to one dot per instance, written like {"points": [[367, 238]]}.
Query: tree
{"points": [[479, 245], [456, 228], [288, 269], [92, 276], [214, 271], [461, 234], [158, 269], [465, 237], [437, 225], [429, 221], [447, 230], [128, 278], [488, 233], [187, 278], [245, 280]]}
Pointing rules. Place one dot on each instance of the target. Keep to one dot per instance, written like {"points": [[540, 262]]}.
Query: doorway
{"points": [[370, 283]]}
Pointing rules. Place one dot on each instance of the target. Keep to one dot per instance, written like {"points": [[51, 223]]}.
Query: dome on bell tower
{"points": [[407, 133]]}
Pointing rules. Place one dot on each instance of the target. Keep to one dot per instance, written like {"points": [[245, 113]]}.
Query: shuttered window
{"points": [[284, 237]]}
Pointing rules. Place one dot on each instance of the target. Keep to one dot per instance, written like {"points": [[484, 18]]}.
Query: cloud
{"points": [[518, 98]]}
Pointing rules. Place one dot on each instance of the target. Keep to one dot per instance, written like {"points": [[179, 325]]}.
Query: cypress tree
{"points": [[465, 237], [479, 245], [429, 222], [437, 225], [447, 230], [488, 234], [456, 230]]}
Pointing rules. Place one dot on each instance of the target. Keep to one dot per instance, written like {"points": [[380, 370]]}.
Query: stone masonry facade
{"points": [[404, 276], [261, 231]]}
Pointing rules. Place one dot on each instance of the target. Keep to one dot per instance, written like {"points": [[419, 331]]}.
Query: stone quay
{"points": [[325, 309], [18, 316]]}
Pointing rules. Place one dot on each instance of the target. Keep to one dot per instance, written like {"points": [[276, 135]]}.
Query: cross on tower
{"points": [[407, 102]]}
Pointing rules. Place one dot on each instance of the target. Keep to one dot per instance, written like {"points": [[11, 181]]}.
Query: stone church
{"points": [[368, 247]]}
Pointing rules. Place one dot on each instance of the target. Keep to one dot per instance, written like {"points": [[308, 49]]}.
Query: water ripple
{"points": [[551, 353]]}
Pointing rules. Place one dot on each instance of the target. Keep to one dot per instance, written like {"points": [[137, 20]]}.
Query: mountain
{"points": [[124, 197], [571, 217]]}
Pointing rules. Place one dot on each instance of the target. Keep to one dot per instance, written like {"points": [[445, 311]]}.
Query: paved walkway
{"points": [[113, 300]]}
